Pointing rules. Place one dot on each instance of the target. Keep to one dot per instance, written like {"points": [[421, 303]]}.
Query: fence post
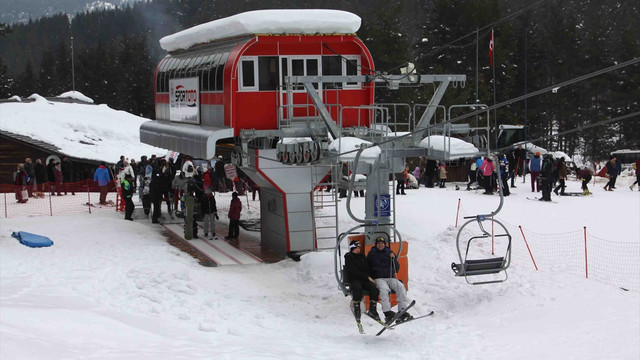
{"points": [[586, 262], [526, 243], [50, 206], [457, 212], [88, 197]]}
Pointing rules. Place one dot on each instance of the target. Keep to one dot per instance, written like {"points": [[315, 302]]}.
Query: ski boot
{"points": [[405, 317], [388, 315], [356, 310], [372, 311]]}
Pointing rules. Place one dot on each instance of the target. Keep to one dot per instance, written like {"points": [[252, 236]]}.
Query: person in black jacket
{"points": [[41, 177], [127, 194], [67, 175], [612, 173], [357, 273], [51, 177], [546, 175], [384, 266], [209, 212]]}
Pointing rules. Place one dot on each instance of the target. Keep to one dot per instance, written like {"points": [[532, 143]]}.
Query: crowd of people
{"points": [[171, 181], [547, 174], [33, 180]]}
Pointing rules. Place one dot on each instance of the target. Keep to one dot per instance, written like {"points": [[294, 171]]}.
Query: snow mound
{"points": [[76, 95]]}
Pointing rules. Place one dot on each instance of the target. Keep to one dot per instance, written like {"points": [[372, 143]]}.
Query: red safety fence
{"points": [[50, 199], [577, 252]]}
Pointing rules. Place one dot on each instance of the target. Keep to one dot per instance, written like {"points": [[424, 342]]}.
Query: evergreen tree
{"points": [[27, 82], [6, 82]]}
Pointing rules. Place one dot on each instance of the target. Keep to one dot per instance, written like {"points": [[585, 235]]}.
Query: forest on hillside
{"points": [[537, 44]]}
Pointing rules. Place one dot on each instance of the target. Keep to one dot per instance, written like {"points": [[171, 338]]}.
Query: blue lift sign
{"points": [[382, 205]]}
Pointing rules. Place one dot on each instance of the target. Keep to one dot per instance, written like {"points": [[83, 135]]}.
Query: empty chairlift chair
{"points": [[479, 262]]}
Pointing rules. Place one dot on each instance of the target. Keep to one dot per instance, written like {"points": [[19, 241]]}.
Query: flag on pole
{"points": [[491, 49]]}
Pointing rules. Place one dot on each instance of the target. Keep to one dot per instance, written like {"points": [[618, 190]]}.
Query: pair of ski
{"points": [[392, 323], [538, 199]]}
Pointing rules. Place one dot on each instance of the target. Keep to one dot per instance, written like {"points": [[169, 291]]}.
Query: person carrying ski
{"points": [[384, 266], [357, 272]]}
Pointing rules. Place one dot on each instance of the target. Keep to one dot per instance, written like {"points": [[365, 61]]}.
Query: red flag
{"points": [[491, 49]]}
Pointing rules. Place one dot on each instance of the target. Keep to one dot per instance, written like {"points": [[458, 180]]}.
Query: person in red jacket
{"points": [[234, 216]]}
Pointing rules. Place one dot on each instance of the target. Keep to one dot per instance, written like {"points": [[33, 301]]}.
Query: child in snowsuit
{"points": [[442, 174]]}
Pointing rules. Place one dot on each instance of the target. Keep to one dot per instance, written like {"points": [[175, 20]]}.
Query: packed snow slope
{"points": [[114, 289]]}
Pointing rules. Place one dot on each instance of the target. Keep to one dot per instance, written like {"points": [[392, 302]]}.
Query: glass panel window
{"points": [[332, 66], [268, 73], [284, 70], [248, 76], [220, 77], [248, 67], [297, 67], [351, 68], [312, 69]]}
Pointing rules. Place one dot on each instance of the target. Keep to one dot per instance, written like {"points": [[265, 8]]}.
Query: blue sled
{"points": [[32, 240]]}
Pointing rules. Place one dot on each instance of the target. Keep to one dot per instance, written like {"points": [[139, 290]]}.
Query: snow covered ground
{"points": [[113, 289]]}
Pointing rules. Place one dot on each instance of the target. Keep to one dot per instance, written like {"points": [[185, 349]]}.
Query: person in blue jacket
{"points": [[384, 267], [535, 165], [101, 175]]}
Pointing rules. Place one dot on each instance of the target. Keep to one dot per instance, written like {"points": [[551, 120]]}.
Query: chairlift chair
{"points": [[484, 266]]}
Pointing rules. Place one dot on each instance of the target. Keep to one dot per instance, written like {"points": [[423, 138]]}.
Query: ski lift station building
{"points": [[224, 82], [279, 85]]}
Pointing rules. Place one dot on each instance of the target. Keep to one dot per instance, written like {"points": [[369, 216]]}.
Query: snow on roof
{"points": [[459, 148], [94, 132], [349, 144], [76, 95], [285, 21], [561, 154]]}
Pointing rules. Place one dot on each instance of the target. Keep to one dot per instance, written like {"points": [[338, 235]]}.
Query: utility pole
{"points": [[73, 70], [477, 100]]}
